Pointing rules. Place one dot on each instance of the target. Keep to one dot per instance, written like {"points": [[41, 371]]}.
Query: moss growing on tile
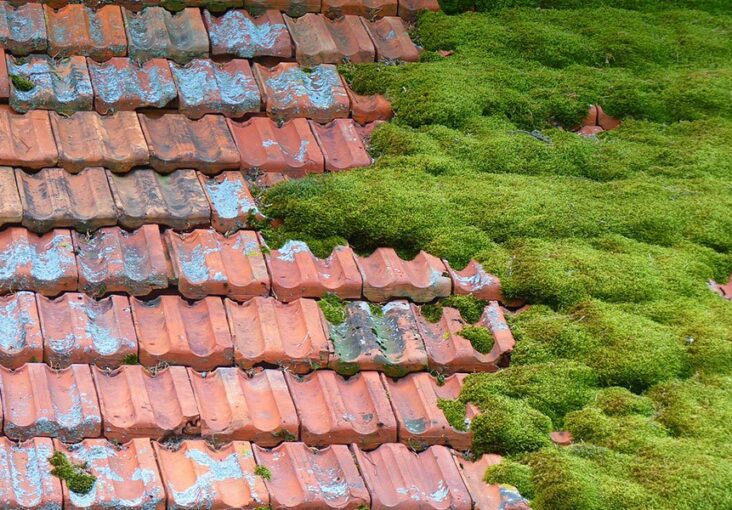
{"points": [[432, 312], [263, 472], [22, 83], [76, 476], [334, 308], [131, 359], [480, 338], [512, 473], [454, 412]]}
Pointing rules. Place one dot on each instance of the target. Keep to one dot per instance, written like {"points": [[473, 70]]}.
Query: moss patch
{"points": [[479, 337], [77, 478], [263, 472], [22, 83], [334, 309]]}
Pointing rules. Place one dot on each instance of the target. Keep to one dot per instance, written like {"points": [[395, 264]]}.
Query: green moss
{"points": [[512, 473], [470, 308], [22, 83], [480, 338], [334, 308], [77, 478], [454, 412], [376, 310], [263, 472], [131, 359], [617, 401], [432, 312]]}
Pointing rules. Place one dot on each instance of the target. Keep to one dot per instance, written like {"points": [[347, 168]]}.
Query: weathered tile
{"points": [[304, 477], [21, 340], [78, 329], [87, 139], [197, 475], [25, 475], [334, 410], [368, 8], [22, 28], [473, 279], [114, 260], [237, 406], [76, 29], [4, 78], [239, 34], [367, 130], [155, 32], [205, 263], [341, 144], [503, 341], [365, 109], [26, 140], [11, 208], [291, 7], [410, 9], [138, 403], [41, 402], [292, 335], [320, 40], [232, 204], [145, 196], [391, 40], [290, 92], [723, 289], [488, 496]]}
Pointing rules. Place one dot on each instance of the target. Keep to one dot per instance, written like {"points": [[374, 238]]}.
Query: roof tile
{"points": [[11, 208], [723, 289], [341, 144], [504, 342], [391, 40], [239, 34], [367, 130], [365, 109], [156, 32], [25, 475], [320, 40], [487, 496], [291, 7], [4, 79], [473, 279], [76, 29], [232, 204], [21, 341], [409, 9], [369, 8], [22, 28]]}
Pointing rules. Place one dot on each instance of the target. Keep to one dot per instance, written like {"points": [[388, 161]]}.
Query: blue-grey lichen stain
{"points": [[26, 475], [319, 87], [364, 332], [149, 86], [240, 36], [416, 493], [492, 316], [477, 281], [26, 30], [47, 263], [177, 41], [58, 85], [13, 323], [229, 199]]}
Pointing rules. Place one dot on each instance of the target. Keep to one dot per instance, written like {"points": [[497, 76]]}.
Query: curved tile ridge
{"points": [[342, 145], [239, 34], [320, 40], [473, 279], [155, 32], [26, 140], [231, 202], [25, 475], [76, 29]]}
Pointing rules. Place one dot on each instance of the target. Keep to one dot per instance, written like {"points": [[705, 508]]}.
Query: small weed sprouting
{"points": [[263, 472], [77, 477]]}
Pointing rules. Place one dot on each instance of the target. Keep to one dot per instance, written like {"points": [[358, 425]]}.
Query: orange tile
{"points": [[206, 263], [11, 208], [239, 34], [410, 9], [174, 331], [232, 204], [22, 28], [114, 260], [366, 109], [155, 32], [291, 7], [320, 40], [126, 475], [306, 478], [138, 403], [488, 496], [267, 331], [237, 406], [391, 39], [367, 130], [368, 8], [341, 144], [561, 437], [334, 410], [26, 140], [4, 79], [42, 402], [723, 289], [25, 475], [473, 279], [79, 30], [197, 475], [21, 340], [605, 121], [494, 320]]}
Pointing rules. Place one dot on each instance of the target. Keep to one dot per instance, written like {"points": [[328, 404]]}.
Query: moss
{"points": [[454, 412], [470, 308], [263, 472], [617, 401], [334, 308], [22, 83], [77, 477], [432, 312], [512, 473], [376, 310], [480, 338], [131, 359]]}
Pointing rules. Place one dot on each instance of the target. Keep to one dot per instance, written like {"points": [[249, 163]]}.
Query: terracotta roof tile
{"points": [[21, 341], [25, 475], [290, 149], [11, 208], [334, 410], [207, 263], [178, 142], [198, 476], [137, 403], [114, 260], [145, 196], [156, 32], [386, 275], [26, 140], [41, 402], [494, 320], [297, 273], [205, 86], [231, 202], [306, 478], [365, 109], [176, 332], [76, 29], [341, 144], [87, 139], [367, 130], [368, 8], [78, 329], [723, 289], [239, 34], [44, 263], [289, 92], [473, 279], [320, 40], [391, 39], [409, 9], [399, 478], [126, 475], [22, 28], [55, 198], [235, 406], [487, 496], [291, 7], [4, 79], [267, 331]]}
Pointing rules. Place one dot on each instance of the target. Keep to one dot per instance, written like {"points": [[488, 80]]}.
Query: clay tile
{"points": [[494, 320], [239, 34], [590, 119], [334, 410], [60, 85], [78, 329], [4, 79], [137, 403], [289, 92], [319, 40], [145, 196], [297, 273], [25, 475], [44, 263], [365, 109], [488, 496], [399, 478], [196, 475], [39, 401], [386, 275], [21, 340], [290, 7], [206, 263], [391, 39], [589, 131], [605, 121], [724, 290], [377, 338], [54, 198], [155, 32], [122, 84], [205, 86], [235, 406], [409, 9], [305, 478], [367, 130], [267, 180], [22, 28], [290, 149], [79, 30], [232, 204], [368, 8], [473, 279], [176, 141], [176, 332], [341, 144], [114, 260], [561, 437], [11, 208]]}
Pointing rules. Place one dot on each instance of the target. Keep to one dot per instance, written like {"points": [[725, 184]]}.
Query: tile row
{"points": [[168, 141], [211, 333]]}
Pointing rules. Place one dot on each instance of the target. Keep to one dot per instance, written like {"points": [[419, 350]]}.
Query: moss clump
{"points": [[131, 359], [263, 472], [512, 473], [432, 312], [77, 478], [376, 310], [470, 308], [617, 401], [454, 411], [480, 338], [334, 308], [22, 83]]}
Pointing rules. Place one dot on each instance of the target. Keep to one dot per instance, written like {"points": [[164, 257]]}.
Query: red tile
{"points": [[320, 40], [269, 179], [22, 28], [473, 279], [590, 130], [176, 332], [297, 273], [291, 7], [197, 475], [44, 263], [488, 496], [206, 263], [4, 79], [79, 30], [391, 39], [126, 475], [232, 204], [292, 335], [399, 478], [11, 208], [26, 140], [367, 130], [41, 402], [368, 8], [25, 474], [290, 92], [724, 290], [239, 34], [341, 144], [365, 109], [21, 341], [410, 9], [236, 406], [138, 403], [306, 478], [386, 275], [504, 342], [114, 260], [157, 33], [561, 437]]}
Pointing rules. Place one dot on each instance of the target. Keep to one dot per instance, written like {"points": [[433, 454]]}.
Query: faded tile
{"points": [[25, 475], [341, 144], [231, 202], [365, 109], [11, 208], [76, 29], [157, 33], [320, 40], [22, 28], [391, 39], [239, 34], [21, 340], [367, 8]]}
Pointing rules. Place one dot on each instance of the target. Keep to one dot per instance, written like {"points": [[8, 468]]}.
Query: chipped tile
{"points": [[410, 9], [320, 40], [237, 33], [157, 33], [21, 340], [368, 8], [11, 208], [474, 280], [231, 202], [494, 320], [22, 28], [391, 39], [487, 496], [291, 7], [76, 29], [25, 475], [365, 109], [341, 144]]}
